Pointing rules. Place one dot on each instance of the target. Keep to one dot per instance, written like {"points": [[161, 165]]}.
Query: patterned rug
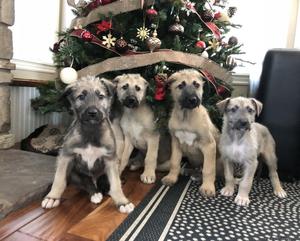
{"points": [[181, 213]]}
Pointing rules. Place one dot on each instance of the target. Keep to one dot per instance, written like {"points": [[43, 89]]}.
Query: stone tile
{"points": [[6, 46], [5, 109], [24, 177], [5, 64], [7, 12], [5, 76]]}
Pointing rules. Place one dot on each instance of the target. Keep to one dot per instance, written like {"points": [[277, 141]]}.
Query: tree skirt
{"points": [[181, 213]]}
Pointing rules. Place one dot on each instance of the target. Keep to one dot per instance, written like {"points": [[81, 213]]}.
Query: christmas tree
{"points": [[154, 38]]}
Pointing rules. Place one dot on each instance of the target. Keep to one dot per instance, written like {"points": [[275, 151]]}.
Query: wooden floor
{"points": [[75, 219]]}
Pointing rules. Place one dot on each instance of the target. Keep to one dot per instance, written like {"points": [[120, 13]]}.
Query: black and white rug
{"points": [[181, 213]]}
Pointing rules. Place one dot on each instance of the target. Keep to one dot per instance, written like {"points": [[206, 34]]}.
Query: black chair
{"points": [[279, 91]]}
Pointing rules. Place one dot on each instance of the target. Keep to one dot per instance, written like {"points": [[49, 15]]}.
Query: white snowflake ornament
{"points": [[109, 41]]}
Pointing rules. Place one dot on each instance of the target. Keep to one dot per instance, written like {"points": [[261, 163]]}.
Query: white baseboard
{"points": [[27, 70]]}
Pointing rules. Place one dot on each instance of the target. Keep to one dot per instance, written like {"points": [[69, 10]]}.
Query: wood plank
{"points": [[100, 223], [70, 237], [55, 222], [18, 219], [27, 82], [18, 236]]}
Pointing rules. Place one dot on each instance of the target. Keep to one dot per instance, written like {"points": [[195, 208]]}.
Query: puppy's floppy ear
{"points": [[67, 92], [222, 105], [110, 87], [257, 105], [172, 78], [146, 83], [117, 79]]}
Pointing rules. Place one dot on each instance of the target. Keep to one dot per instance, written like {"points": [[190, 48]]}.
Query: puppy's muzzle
{"points": [[190, 102], [92, 115], [131, 101], [242, 125]]}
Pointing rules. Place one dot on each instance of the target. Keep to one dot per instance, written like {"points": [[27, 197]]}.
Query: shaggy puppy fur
{"points": [[242, 141], [89, 148]]}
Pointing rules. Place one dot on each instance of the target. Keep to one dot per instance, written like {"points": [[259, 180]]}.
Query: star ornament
{"points": [[109, 41], [143, 33], [189, 7], [214, 44]]}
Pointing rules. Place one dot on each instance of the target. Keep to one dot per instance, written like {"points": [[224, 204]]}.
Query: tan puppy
{"points": [[137, 123], [193, 134], [242, 141]]}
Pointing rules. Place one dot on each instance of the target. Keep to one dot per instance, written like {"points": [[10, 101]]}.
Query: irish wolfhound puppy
{"points": [[89, 151], [193, 134], [138, 124], [242, 141]]}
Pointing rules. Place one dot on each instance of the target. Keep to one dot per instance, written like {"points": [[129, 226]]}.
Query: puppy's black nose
{"points": [[193, 100], [242, 124], [92, 111], [131, 99]]}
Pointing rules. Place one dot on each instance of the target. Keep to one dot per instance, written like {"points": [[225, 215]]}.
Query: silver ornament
{"points": [[176, 28], [153, 42]]}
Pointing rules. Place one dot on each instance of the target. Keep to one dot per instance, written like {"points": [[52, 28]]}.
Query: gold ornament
{"points": [[109, 40], [153, 42], [143, 33], [214, 44], [224, 17]]}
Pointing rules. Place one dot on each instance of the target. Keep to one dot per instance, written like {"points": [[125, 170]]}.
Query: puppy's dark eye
{"points": [[249, 109], [101, 97], [137, 88], [196, 84], [125, 87], [81, 97], [181, 85], [234, 109]]}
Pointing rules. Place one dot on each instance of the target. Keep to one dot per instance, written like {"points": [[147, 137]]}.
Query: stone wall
{"points": [[7, 17]]}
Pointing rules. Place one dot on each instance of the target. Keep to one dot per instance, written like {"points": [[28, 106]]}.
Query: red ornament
{"points": [[221, 89], [151, 12], [87, 36], [160, 91], [103, 26], [121, 45], [217, 15], [200, 44]]}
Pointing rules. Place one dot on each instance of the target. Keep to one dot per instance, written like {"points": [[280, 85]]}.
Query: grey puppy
{"points": [[89, 148], [242, 141]]}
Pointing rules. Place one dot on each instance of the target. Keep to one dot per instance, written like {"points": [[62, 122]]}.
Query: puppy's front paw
{"points": [[207, 189], [148, 177], [50, 202], [279, 192], [227, 191], [126, 208], [242, 201], [169, 180], [96, 198]]}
